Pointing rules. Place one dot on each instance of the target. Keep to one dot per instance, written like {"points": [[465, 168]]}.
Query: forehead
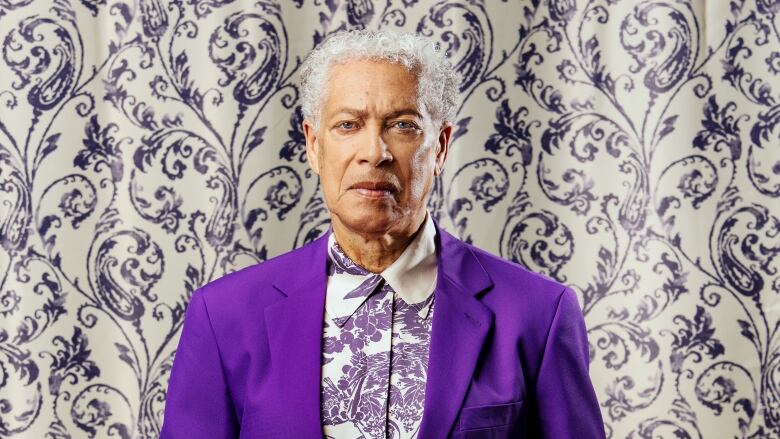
{"points": [[370, 85]]}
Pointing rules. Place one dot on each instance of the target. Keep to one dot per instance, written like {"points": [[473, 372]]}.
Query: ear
{"points": [[442, 147], [312, 146]]}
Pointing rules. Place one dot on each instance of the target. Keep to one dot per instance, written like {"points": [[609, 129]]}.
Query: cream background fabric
{"points": [[629, 149]]}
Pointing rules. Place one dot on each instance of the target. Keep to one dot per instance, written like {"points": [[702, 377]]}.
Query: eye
{"points": [[346, 125], [405, 125]]}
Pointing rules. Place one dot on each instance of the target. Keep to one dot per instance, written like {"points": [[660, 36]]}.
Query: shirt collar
{"points": [[412, 276]]}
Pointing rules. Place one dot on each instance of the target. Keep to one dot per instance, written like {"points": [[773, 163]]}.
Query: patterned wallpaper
{"points": [[630, 149]]}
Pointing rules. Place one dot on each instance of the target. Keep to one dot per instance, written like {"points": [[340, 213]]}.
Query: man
{"points": [[386, 326]]}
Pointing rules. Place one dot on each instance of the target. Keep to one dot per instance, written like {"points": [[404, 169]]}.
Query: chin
{"points": [[369, 221]]}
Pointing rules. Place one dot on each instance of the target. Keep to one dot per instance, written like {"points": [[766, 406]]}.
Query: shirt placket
{"points": [[405, 412], [380, 317]]}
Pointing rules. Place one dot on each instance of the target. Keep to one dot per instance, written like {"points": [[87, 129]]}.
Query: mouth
{"points": [[374, 189]]}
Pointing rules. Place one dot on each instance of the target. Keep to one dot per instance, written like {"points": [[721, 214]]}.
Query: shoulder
{"points": [[233, 305], [522, 299], [254, 285], [516, 280], [530, 307]]}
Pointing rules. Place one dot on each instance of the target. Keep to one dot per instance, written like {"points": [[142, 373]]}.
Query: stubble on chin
{"points": [[369, 222]]}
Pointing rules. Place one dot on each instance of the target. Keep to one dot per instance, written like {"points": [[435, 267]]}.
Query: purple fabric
{"points": [[508, 353]]}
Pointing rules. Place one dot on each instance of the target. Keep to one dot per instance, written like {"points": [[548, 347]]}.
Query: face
{"points": [[376, 149]]}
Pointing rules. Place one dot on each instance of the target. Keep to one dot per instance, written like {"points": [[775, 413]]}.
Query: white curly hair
{"points": [[437, 84]]}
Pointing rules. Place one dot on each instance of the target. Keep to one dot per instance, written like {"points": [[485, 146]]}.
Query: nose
{"points": [[374, 150]]}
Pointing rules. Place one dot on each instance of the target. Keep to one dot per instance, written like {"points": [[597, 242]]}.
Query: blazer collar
{"points": [[460, 324]]}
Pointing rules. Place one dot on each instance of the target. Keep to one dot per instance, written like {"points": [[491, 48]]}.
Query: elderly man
{"points": [[386, 326]]}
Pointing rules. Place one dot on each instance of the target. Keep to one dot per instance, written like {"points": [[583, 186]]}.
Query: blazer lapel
{"points": [[460, 325], [294, 328]]}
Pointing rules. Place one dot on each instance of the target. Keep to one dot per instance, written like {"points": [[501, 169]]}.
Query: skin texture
{"points": [[376, 151]]}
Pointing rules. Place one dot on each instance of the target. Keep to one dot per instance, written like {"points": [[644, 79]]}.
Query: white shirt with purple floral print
{"points": [[376, 337]]}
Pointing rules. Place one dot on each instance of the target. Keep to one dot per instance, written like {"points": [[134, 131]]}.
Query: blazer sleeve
{"points": [[198, 403], [565, 398]]}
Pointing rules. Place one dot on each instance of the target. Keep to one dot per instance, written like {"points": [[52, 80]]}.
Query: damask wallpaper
{"points": [[630, 149]]}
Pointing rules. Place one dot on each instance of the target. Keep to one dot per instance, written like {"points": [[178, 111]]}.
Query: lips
{"points": [[374, 189]]}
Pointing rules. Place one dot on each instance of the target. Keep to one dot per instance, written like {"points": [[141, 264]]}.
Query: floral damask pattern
{"points": [[375, 358], [630, 149]]}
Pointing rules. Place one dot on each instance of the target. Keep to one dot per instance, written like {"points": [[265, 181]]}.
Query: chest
{"points": [[374, 367]]}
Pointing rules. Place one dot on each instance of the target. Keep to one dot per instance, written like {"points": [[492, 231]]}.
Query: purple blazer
{"points": [[508, 353]]}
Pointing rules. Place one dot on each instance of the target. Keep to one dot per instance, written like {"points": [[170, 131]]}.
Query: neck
{"points": [[374, 252]]}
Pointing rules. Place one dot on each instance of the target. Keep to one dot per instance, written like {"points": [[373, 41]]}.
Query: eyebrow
{"points": [[362, 113]]}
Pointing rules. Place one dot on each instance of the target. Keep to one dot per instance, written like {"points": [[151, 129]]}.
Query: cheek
{"points": [[330, 179], [332, 171], [422, 164]]}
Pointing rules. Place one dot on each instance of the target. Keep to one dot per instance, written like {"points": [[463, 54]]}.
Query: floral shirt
{"points": [[376, 338]]}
